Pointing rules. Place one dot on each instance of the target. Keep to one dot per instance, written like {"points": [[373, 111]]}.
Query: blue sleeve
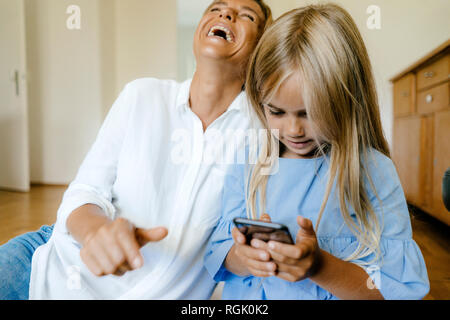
{"points": [[221, 241], [401, 272]]}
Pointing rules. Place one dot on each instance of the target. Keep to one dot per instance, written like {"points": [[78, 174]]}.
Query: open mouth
{"points": [[221, 32]]}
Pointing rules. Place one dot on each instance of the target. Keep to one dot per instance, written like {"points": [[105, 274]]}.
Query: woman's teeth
{"points": [[218, 30]]}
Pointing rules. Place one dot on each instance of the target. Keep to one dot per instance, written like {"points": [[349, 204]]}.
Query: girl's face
{"points": [[287, 113]]}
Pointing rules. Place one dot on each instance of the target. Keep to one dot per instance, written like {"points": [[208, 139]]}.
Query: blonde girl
{"points": [[311, 86]]}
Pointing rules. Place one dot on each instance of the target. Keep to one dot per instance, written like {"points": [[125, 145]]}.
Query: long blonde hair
{"points": [[322, 43]]}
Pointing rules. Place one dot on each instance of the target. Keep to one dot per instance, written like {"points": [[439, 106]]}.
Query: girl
{"points": [[310, 80]]}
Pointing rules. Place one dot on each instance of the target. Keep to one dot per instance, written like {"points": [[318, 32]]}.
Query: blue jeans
{"points": [[15, 263]]}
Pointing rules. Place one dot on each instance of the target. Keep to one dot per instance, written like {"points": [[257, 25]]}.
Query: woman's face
{"points": [[229, 30], [287, 113]]}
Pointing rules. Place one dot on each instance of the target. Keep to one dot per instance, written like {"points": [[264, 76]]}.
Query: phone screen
{"points": [[265, 231]]}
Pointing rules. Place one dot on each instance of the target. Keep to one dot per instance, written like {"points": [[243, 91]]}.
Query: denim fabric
{"points": [[15, 263]]}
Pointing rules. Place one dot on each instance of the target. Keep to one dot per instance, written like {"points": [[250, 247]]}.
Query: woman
{"points": [[127, 183]]}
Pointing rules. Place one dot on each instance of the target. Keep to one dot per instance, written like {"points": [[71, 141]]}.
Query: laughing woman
{"points": [[336, 188], [105, 244]]}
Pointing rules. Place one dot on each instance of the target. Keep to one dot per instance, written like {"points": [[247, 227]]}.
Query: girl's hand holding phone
{"points": [[297, 261], [255, 261]]}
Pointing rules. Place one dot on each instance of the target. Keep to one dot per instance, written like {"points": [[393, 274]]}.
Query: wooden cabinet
{"points": [[412, 154], [407, 156], [441, 161], [404, 95], [433, 99], [433, 73], [421, 146]]}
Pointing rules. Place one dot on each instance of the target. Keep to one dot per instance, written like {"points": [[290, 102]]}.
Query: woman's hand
{"points": [[114, 247], [297, 261]]}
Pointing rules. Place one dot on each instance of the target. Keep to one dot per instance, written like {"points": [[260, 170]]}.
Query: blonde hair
{"points": [[322, 43]]}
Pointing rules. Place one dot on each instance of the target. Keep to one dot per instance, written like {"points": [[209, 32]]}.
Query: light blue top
{"points": [[298, 189]]}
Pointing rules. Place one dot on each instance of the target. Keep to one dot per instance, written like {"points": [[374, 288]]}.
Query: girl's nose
{"points": [[295, 128]]}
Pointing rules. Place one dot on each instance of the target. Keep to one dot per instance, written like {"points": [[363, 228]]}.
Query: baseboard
{"points": [[45, 184]]}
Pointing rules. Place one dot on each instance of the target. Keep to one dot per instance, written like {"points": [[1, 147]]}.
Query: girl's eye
{"points": [[276, 113], [215, 9]]}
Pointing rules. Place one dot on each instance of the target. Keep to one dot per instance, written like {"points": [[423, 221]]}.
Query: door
{"points": [[14, 153]]}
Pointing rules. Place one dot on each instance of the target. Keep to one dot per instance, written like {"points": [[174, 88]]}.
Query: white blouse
{"points": [[152, 164]]}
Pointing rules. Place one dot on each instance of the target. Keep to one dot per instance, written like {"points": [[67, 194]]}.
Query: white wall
{"points": [[185, 53], [64, 87], [280, 6], [108, 67], [75, 75], [409, 30], [146, 40]]}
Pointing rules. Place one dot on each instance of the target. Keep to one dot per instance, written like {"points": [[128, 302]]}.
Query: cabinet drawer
{"points": [[433, 99], [434, 73], [404, 95]]}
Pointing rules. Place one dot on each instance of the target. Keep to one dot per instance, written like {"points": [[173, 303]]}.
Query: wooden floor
{"points": [[433, 238], [23, 212]]}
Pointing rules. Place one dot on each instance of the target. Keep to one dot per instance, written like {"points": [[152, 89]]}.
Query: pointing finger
{"points": [[145, 236]]}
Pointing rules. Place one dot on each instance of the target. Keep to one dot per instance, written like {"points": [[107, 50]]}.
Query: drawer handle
{"points": [[405, 94], [429, 74], [429, 98]]}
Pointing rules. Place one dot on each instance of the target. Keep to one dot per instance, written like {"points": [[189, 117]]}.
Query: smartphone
{"points": [[265, 231]]}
